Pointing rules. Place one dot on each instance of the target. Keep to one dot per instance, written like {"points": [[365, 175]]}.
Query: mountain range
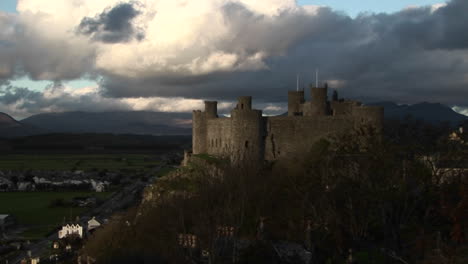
{"points": [[162, 123], [433, 113], [9, 127], [119, 122]]}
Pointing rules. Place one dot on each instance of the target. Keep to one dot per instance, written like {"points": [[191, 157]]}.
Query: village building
{"points": [[461, 134], [93, 224], [70, 230]]}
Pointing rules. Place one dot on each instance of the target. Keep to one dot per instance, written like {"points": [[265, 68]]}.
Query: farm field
{"points": [[34, 211], [64, 162]]}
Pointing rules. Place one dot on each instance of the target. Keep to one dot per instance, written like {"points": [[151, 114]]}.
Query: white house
{"points": [[68, 230], [99, 186], [93, 224]]}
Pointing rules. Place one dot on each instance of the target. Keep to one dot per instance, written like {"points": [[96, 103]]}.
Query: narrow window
{"points": [[246, 144]]}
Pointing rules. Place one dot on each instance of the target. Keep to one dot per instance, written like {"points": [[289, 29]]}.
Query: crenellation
{"points": [[247, 135]]}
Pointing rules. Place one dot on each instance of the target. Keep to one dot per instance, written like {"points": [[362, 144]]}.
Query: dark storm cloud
{"points": [[418, 54], [113, 25], [10, 95]]}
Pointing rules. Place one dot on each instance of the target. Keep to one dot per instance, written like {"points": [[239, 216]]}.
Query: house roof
{"points": [[3, 216], [94, 221]]}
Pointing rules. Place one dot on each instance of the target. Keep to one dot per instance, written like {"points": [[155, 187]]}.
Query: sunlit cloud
{"points": [[142, 56]]}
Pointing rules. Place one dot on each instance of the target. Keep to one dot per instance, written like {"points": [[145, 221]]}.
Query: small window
{"points": [[242, 106], [246, 144]]}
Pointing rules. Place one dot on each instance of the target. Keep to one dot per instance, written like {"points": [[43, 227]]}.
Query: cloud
{"points": [[113, 25], [220, 49], [22, 102]]}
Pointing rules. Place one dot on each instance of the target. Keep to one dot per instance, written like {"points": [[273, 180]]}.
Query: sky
{"points": [[170, 55], [352, 7]]}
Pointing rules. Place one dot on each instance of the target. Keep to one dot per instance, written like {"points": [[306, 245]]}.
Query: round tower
{"points": [[247, 131], [319, 101], [295, 101], [198, 132]]}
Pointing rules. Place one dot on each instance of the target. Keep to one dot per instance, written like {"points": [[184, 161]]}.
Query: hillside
{"points": [[138, 122], [336, 198], [9, 127], [8, 121]]}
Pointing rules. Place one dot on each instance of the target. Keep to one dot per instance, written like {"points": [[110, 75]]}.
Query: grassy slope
{"points": [[32, 209], [75, 162]]}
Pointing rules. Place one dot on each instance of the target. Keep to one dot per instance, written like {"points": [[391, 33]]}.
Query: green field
{"points": [[110, 162], [32, 209]]}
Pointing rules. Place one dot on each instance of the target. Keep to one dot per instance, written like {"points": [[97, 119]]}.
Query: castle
{"points": [[248, 135]]}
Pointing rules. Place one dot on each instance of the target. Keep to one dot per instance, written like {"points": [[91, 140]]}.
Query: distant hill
{"points": [[9, 127], [8, 121], [433, 113], [137, 122], [161, 123]]}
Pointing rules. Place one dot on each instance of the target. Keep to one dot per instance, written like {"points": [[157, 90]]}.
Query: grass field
{"points": [[32, 209], [111, 162]]}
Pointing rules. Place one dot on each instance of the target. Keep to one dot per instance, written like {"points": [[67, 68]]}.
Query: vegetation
{"points": [[377, 197], [210, 159], [41, 212]]}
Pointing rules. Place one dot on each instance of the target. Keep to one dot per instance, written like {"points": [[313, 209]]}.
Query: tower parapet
{"points": [[211, 109], [244, 103]]}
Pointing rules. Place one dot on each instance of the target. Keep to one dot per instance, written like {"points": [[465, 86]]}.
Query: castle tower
{"points": [[198, 132], [295, 101], [319, 100], [199, 126], [247, 131]]}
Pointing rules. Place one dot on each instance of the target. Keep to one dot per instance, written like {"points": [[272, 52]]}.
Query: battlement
{"points": [[247, 135]]}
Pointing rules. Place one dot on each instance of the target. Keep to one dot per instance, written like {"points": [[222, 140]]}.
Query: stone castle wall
{"points": [[247, 135], [288, 136]]}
